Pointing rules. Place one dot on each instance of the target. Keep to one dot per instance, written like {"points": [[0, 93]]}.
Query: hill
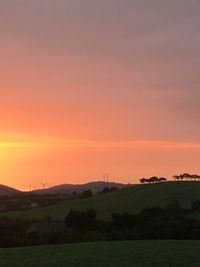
{"points": [[133, 253], [70, 188], [131, 199], [7, 191]]}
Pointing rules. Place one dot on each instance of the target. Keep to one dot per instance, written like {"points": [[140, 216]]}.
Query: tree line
{"points": [[181, 177], [187, 177], [153, 179], [156, 222]]}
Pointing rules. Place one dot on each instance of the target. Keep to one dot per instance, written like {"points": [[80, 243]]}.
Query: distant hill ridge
{"points": [[70, 188], [7, 191], [64, 188]]}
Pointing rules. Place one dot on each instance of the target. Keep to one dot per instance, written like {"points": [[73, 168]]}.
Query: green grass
{"points": [[106, 254], [132, 199]]}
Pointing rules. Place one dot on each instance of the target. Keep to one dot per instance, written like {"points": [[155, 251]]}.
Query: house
{"points": [[34, 205], [42, 228]]}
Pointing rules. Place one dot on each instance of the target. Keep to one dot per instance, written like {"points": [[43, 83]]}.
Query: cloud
{"points": [[101, 69]]}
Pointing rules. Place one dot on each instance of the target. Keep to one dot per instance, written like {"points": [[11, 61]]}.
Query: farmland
{"points": [[132, 199], [112, 254]]}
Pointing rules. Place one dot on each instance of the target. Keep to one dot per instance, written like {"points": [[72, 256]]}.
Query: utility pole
{"points": [[43, 186], [106, 179]]}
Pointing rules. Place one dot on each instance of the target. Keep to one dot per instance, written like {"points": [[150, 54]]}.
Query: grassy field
{"points": [[132, 199], [109, 254]]}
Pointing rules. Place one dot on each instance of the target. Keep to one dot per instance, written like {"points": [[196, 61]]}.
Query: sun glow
{"points": [[9, 144], [43, 158]]}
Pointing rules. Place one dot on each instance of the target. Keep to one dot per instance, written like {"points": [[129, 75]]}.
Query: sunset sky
{"points": [[98, 86]]}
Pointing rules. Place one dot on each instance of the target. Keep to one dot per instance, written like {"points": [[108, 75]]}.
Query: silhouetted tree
{"points": [[153, 179], [124, 220], [107, 190], [86, 193], [187, 177], [162, 179], [143, 180], [173, 208], [149, 214], [81, 219], [176, 177], [196, 205]]}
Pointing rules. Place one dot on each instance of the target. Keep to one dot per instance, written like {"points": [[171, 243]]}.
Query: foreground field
{"points": [[132, 199], [112, 254]]}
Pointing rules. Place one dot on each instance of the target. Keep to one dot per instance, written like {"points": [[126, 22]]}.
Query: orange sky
{"points": [[92, 87]]}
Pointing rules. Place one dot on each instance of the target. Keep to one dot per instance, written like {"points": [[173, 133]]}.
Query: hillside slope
{"points": [[131, 199], [70, 188], [7, 191]]}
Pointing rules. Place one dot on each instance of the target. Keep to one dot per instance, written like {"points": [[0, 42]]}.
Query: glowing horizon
{"points": [[46, 142], [35, 151]]}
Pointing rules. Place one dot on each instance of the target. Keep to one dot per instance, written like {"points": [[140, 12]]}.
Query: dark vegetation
{"points": [[25, 201], [171, 222], [187, 177], [86, 193], [181, 177], [153, 179], [108, 190]]}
